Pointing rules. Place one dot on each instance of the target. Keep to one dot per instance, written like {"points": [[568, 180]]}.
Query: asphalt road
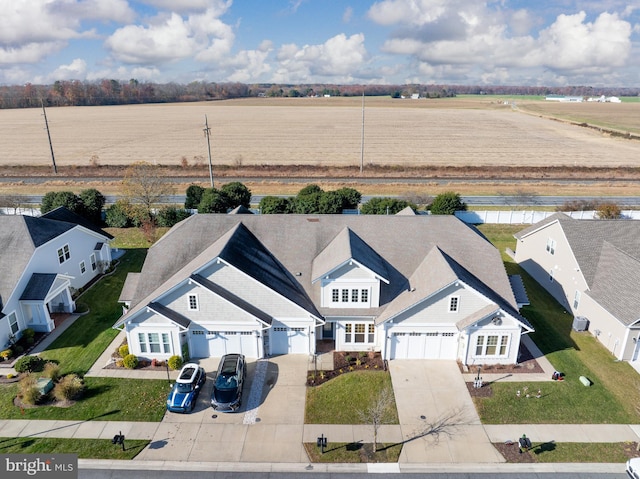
{"points": [[173, 474]]}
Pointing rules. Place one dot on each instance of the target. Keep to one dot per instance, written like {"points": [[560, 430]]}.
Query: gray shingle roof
{"points": [[62, 214], [170, 314], [279, 250], [345, 246], [616, 284], [38, 287]]}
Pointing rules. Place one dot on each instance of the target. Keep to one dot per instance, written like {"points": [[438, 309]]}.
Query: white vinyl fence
{"points": [[530, 217]]}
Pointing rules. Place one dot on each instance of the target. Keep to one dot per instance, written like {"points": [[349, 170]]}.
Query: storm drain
{"points": [[253, 402]]}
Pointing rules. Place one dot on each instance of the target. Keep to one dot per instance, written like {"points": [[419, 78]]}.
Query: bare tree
{"points": [[377, 413], [11, 202], [143, 184]]}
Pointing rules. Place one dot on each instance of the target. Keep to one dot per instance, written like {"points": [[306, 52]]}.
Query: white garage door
{"points": [[431, 345], [285, 340], [219, 343]]}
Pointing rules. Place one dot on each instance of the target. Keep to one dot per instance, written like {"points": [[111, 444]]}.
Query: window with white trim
{"points": [[364, 296], [94, 264], [454, 304], [13, 323], [154, 343], [335, 295], [354, 295], [83, 268], [576, 299], [345, 295], [193, 302], [551, 246], [64, 254], [360, 333], [492, 345]]}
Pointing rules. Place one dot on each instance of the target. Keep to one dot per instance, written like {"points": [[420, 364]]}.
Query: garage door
{"points": [[219, 343], [285, 340], [431, 345]]}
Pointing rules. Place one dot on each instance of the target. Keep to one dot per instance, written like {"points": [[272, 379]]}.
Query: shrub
{"points": [[29, 364], [116, 215], [28, 333], [6, 354], [11, 376], [170, 215], [123, 350], [130, 361], [29, 391], [447, 203], [51, 370], [17, 349], [69, 387], [175, 362]]}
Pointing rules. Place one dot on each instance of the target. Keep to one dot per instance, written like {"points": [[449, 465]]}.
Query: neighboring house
{"points": [[408, 286], [42, 260], [592, 267]]}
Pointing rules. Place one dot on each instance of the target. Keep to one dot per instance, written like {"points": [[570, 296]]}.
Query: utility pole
{"points": [[207, 132], [362, 138], [46, 124]]}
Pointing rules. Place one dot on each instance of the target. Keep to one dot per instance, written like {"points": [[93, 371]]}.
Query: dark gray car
{"points": [[228, 384]]}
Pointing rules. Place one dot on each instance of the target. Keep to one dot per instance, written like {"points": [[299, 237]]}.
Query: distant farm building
{"points": [[564, 98]]}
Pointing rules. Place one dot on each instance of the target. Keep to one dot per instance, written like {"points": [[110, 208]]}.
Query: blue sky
{"points": [[501, 42]]}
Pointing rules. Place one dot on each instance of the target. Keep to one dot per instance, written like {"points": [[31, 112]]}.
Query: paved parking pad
{"points": [[267, 428]]}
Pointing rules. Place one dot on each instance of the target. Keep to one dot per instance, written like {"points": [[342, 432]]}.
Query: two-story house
{"points": [[42, 259], [408, 286], [592, 268]]}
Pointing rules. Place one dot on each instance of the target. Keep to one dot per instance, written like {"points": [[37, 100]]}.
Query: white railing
{"points": [[530, 217]]}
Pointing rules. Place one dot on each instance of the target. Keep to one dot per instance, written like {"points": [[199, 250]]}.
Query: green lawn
{"points": [[84, 341], [616, 389], [84, 448], [105, 399], [340, 400], [132, 238], [77, 349]]}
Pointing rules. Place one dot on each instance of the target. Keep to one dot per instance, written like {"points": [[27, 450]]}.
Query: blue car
{"points": [[184, 393]]}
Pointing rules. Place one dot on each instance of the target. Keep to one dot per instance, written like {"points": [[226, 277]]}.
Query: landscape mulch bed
{"points": [[511, 451], [345, 362]]}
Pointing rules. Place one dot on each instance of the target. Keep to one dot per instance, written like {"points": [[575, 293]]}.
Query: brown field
{"points": [[325, 132]]}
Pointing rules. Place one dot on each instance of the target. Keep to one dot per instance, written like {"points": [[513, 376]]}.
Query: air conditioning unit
{"points": [[580, 323]]}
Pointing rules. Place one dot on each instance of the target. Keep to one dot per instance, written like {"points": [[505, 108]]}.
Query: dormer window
{"points": [[349, 297], [454, 303]]}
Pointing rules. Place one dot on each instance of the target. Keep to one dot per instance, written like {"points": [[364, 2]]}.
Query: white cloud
{"points": [[339, 57], [571, 43], [488, 41], [170, 37], [31, 30], [189, 5], [76, 70]]}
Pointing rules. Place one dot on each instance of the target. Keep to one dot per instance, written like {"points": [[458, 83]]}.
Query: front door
{"points": [[328, 329]]}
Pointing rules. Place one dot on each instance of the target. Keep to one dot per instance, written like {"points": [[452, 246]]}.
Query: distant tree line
{"points": [[117, 92]]}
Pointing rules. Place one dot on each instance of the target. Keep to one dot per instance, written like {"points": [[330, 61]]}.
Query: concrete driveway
{"points": [[267, 428], [438, 420]]}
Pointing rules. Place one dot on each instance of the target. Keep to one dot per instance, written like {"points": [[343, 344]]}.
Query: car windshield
{"points": [[226, 382], [184, 387]]}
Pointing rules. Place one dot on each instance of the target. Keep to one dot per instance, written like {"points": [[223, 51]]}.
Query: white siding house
{"points": [[592, 268], [43, 260], [408, 286]]}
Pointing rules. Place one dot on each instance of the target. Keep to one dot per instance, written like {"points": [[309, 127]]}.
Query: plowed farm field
{"points": [[319, 132]]}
